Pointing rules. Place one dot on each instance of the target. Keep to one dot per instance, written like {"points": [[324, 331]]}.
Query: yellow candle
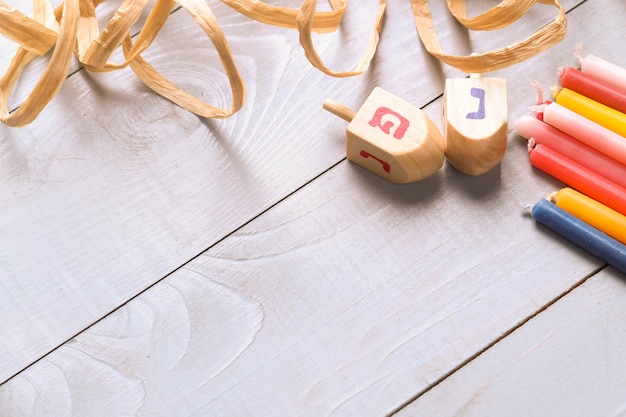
{"points": [[603, 115], [591, 212]]}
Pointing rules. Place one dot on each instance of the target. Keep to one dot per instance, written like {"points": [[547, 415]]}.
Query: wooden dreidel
{"points": [[391, 138], [475, 122]]}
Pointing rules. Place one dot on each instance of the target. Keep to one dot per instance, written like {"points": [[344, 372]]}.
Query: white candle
{"points": [[586, 131], [604, 70]]}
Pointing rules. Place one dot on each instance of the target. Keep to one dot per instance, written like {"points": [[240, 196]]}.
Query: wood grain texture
{"points": [[113, 187], [349, 297], [567, 361], [207, 326]]}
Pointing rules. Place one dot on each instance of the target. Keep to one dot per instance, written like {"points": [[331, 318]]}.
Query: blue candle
{"points": [[587, 237]]}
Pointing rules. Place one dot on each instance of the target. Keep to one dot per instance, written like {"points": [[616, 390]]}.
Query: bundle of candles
{"points": [[580, 139]]}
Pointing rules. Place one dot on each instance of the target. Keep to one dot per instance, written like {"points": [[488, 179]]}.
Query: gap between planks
{"points": [[216, 242], [270, 207], [506, 333], [158, 281], [496, 341]]}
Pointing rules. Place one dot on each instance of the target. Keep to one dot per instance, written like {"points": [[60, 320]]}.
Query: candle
{"points": [[594, 88], [577, 176], [591, 212], [586, 131], [603, 115], [566, 145], [580, 233], [604, 70]]}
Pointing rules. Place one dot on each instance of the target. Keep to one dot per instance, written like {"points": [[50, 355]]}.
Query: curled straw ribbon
{"points": [[73, 29]]}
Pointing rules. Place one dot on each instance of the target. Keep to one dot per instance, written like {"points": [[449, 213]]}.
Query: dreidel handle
{"points": [[339, 109]]}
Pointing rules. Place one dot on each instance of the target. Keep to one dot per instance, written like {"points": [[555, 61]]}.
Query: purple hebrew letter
{"points": [[479, 93], [402, 122]]}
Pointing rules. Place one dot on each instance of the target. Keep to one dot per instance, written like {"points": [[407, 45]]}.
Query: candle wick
{"points": [[539, 89], [538, 109], [578, 53], [552, 197], [527, 209]]}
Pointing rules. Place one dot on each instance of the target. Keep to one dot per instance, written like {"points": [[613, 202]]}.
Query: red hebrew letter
{"points": [[385, 165], [402, 122]]}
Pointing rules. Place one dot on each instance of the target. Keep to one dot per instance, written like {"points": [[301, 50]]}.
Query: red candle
{"points": [[578, 177], [593, 88], [531, 128]]}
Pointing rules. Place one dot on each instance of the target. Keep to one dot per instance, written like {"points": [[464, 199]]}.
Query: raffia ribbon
{"points": [[497, 17], [73, 28]]}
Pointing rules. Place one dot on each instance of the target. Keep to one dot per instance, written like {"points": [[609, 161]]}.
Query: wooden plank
{"points": [[198, 318], [344, 314], [567, 361], [348, 297], [112, 187]]}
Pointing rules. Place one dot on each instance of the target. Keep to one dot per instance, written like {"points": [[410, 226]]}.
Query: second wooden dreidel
{"points": [[475, 123], [391, 138]]}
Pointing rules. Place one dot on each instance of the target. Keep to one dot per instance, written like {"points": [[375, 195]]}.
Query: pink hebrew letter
{"points": [[402, 122]]}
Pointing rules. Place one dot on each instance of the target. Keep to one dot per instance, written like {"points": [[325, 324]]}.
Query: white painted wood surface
{"points": [[567, 361], [351, 296]]}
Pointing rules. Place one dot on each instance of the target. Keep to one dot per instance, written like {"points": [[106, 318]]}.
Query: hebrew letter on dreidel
{"points": [[479, 93], [370, 144], [386, 165], [377, 120], [475, 142]]}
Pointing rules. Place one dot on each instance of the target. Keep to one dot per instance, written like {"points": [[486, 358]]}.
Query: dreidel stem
{"points": [[339, 109]]}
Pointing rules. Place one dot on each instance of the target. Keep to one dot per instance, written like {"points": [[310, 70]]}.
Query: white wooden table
{"points": [[154, 263]]}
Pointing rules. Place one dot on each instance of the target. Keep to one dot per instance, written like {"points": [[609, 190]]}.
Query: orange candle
{"points": [[591, 212], [577, 176]]}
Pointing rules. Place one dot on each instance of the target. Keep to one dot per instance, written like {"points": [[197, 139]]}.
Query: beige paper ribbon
{"points": [[55, 73], [202, 14], [497, 17], [73, 28], [305, 24], [286, 17], [35, 36]]}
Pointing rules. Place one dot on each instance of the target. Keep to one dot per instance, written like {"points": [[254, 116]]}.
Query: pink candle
{"points": [[604, 70], [586, 131], [530, 127]]}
